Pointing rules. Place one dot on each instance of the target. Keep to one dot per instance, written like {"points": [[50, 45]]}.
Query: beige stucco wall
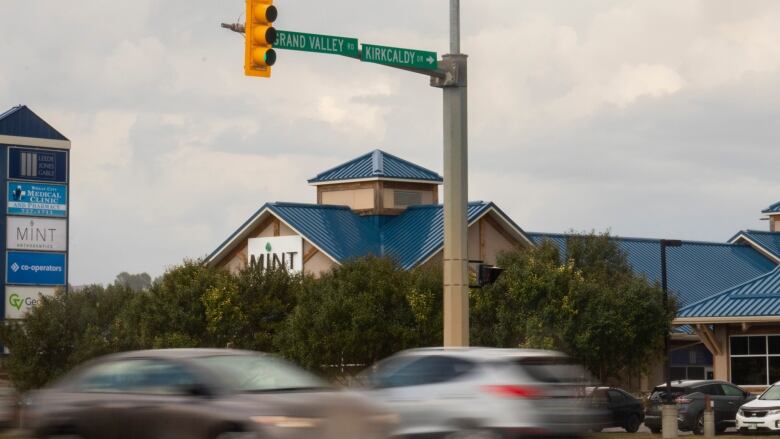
{"points": [[495, 243], [354, 198], [318, 264]]}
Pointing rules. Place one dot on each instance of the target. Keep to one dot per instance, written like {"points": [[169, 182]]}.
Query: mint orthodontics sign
{"points": [[276, 252]]}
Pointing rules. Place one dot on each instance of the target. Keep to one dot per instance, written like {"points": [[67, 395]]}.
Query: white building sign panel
{"points": [[28, 233], [278, 251], [19, 300]]}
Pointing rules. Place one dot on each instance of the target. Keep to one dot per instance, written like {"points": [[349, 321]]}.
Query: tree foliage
{"points": [[356, 314], [589, 304], [136, 282], [62, 331], [248, 312]]}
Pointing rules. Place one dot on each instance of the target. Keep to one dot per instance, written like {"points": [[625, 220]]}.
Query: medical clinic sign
{"points": [[36, 210]]}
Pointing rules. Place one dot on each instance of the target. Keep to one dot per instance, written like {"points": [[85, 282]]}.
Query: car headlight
{"points": [[286, 421], [740, 412], [774, 412]]}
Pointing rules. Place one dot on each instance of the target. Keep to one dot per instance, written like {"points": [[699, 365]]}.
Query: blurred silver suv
{"points": [[483, 393]]}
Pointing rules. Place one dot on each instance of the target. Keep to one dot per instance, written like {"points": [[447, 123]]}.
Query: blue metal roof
{"points": [[757, 297], [418, 233], [695, 271], [410, 238], [335, 229], [769, 241], [20, 121], [377, 164], [775, 208]]}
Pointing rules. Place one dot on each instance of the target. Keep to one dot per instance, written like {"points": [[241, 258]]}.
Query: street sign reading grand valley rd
{"points": [[316, 43], [396, 56]]}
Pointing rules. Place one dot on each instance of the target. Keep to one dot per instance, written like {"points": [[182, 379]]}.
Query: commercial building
{"points": [[728, 293]]}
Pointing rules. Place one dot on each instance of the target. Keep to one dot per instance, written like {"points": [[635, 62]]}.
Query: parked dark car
{"points": [[624, 410], [689, 397], [198, 394]]}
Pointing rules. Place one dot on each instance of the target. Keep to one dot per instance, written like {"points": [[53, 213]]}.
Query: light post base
{"points": [[709, 423], [669, 421]]}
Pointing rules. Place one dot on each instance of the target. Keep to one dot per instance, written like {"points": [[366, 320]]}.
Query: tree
{"points": [[136, 282], [528, 303], [354, 315], [425, 295], [172, 313], [248, 312], [589, 304], [62, 331]]}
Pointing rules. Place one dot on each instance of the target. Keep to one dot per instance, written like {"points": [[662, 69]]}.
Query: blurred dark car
{"points": [[197, 393], [624, 410], [689, 396]]}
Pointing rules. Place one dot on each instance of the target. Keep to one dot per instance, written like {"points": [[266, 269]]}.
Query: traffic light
{"points": [[260, 37], [488, 274]]}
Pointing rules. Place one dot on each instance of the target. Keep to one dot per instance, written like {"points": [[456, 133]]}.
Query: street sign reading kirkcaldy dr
{"points": [[395, 56]]}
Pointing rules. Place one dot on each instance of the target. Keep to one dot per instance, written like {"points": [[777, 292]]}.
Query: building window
{"points": [[407, 198], [755, 359], [687, 373]]}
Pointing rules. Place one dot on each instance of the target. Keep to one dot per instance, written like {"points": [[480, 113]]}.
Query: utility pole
{"points": [[450, 75], [456, 275]]}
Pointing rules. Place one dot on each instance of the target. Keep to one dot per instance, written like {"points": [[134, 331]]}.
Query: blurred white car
{"points": [[483, 393], [762, 413]]}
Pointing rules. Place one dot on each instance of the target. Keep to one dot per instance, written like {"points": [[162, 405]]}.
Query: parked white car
{"points": [[483, 393], [762, 413]]}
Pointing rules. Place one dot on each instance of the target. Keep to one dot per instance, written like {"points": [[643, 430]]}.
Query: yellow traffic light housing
{"points": [[260, 37]]}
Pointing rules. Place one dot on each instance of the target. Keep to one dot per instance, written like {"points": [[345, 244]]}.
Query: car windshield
{"points": [[772, 393], [259, 373], [660, 391]]}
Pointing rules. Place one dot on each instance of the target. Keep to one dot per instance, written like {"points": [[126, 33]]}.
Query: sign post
{"points": [[449, 74]]}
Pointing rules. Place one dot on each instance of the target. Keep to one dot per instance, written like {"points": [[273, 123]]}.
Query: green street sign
{"points": [[316, 43], [395, 56]]}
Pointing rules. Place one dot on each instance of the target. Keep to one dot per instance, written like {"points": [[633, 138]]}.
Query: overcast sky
{"points": [[650, 118]]}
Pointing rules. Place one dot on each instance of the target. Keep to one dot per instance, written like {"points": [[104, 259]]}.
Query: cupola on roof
{"points": [[377, 165], [775, 208]]}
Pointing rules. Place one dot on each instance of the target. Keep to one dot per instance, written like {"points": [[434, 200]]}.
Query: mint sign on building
{"points": [[276, 252]]}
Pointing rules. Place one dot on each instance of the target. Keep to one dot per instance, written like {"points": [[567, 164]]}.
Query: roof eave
{"points": [[243, 233], [315, 182], [490, 207], [756, 246], [700, 320], [34, 141]]}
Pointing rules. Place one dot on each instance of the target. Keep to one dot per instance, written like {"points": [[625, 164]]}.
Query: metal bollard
{"points": [[709, 417]]}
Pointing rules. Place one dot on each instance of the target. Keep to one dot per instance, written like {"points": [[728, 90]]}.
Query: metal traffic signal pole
{"points": [[456, 275], [449, 74]]}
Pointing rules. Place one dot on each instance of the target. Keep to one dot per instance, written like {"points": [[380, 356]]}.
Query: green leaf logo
{"points": [[268, 247], [16, 301]]}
